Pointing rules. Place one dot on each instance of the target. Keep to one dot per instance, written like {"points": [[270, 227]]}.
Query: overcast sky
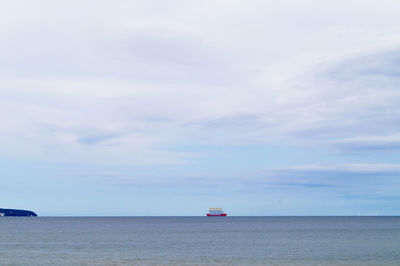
{"points": [[172, 107]]}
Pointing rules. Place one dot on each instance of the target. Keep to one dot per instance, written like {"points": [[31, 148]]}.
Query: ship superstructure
{"points": [[216, 212]]}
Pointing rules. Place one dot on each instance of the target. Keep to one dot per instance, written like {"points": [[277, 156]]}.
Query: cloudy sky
{"points": [[171, 107]]}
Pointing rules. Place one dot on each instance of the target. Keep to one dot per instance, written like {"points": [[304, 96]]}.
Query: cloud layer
{"points": [[96, 71]]}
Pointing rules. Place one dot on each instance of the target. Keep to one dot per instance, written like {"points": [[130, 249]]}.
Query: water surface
{"points": [[200, 241]]}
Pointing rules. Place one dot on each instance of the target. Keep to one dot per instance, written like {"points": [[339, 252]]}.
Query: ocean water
{"points": [[200, 241]]}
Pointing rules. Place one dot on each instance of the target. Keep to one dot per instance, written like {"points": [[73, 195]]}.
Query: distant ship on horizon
{"points": [[216, 212]]}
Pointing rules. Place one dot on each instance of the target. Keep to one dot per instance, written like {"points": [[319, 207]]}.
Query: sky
{"points": [[172, 107]]}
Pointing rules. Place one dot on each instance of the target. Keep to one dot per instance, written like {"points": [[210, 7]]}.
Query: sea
{"points": [[200, 240]]}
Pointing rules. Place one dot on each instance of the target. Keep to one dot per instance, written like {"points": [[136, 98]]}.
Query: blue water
{"points": [[200, 241]]}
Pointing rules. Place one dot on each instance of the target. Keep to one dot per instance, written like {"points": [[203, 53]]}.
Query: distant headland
{"points": [[13, 212]]}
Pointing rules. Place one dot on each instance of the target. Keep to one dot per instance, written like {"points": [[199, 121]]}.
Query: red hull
{"points": [[224, 214]]}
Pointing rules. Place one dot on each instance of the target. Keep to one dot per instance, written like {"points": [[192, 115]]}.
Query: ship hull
{"points": [[224, 214]]}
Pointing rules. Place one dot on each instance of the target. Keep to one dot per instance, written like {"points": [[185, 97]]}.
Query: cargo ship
{"points": [[216, 212]]}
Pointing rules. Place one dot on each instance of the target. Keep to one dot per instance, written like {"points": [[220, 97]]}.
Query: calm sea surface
{"points": [[200, 241]]}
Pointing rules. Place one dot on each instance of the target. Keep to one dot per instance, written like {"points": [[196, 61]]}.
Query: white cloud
{"points": [[361, 168], [155, 74], [368, 143]]}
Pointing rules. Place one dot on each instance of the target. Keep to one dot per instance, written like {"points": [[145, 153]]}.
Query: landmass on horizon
{"points": [[14, 212]]}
